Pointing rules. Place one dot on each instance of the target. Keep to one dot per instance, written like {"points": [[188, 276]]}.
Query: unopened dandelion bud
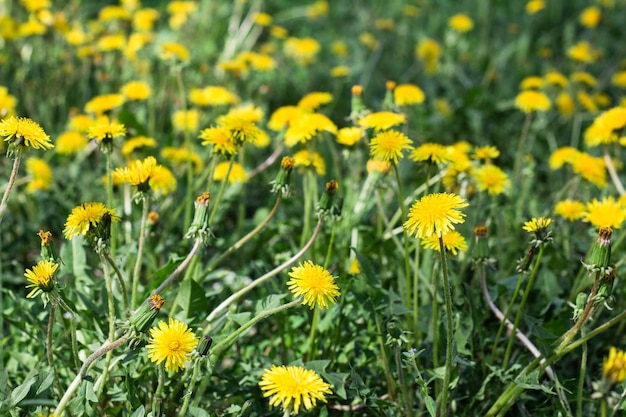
{"points": [[579, 307], [48, 251], [283, 178], [204, 345], [605, 286], [153, 218], [388, 101], [326, 202], [200, 225], [524, 263], [143, 318], [600, 257], [481, 247], [357, 106]]}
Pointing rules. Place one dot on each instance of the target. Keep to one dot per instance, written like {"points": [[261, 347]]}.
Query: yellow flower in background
{"points": [[555, 78], [35, 5], [292, 387], [534, 6], [212, 95], [7, 103], [115, 42], [429, 52], [583, 77], [382, 120], [162, 181], [104, 103], [492, 179], [237, 172], [435, 214], [278, 32], [590, 17], [70, 142], [105, 130], [314, 283], [306, 126], [302, 50], [138, 142], [306, 158], [317, 10], [605, 213], [368, 40], [408, 94], [537, 224], [87, 217], [41, 174], [283, 116], [138, 172], [431, 152], [143, 19], [81, 123], [180, 157], [22, 133], [41, 277], [453, 242], [389, 145], [173, 50], [614, 366], [565, 104], [30, 28], [377, 166], [461, 23], [136, 90], [313, 100], [349, 135], [587, 101], [531, 83], [605, 127], [186, 120], [111, 12], [220, 138], [355, 267], [570, 209], [562, 155], [591, 168], [529, 101], [262, 19], [486, 153], [339, 48], [583, 52], [618, 79], [171, 342]]}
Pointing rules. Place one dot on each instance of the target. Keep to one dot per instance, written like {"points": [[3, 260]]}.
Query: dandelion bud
{"points": [[48, 251], [600, 257], [199, 228], [388, 102], [481, 247], [605, 286], [153, 218], [142, 319], [357, 105], [524, 263], [326, 202], [204, 345], [283, 178]]}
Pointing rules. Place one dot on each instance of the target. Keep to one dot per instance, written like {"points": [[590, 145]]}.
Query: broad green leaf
{"points": [[46, 383], [21, 391], [240, 318], [191, 298], [139, 412], [165, 271]]}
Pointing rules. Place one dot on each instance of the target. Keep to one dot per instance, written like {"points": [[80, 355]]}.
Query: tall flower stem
{"points": [[49, 346], [581, 378], [111, 305], [505, 319], [310, 192], [235, 246], [120, 280], [159, 390], [435, 316], [140, 246], [518, 315], [180, 267], [190, 388], [384, 361], [9, 186], [220, 194], [449, 330], [265, 277], [314, 323], [109, 168], [407, 263], [107, 347], [73, 344], [520, 148]]}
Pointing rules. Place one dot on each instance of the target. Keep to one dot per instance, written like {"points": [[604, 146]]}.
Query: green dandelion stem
{"points": [[314, 323], [107, 347], [111, 305], [140, 246], [384, 361], [506, 316], [435, 316], [416, 295], [190, 388], [179, 269], [68, 310], [237, 245], [109, 168], [569, 335], [383, 217], [220, 194], [156, 399], [49, 346], [443, 405], [407, 262], [581, 378], [518, 315], [310, 191], [120, 279], [265, 277], [613, 173], [10, 184], [520, 148]]}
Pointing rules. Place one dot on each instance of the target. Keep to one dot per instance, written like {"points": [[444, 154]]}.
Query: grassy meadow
{"points": [[331, 208]]}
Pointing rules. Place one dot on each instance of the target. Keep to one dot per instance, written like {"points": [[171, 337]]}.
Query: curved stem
{"points": [[267, 276], [10, 184], [140, 246], [180, 268], [520, 148], [269, 161], [581, 378]]}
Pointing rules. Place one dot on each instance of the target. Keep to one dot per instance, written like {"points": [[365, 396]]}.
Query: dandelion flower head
{"points": [[453, 242], [171, 342], [529, 101], [461, 23], [306, 126], [23, 132], [408, 94], [292, 387], [614, 366], [591, 168], [138, 172], [570, 209], [382, 120], [237, 172], [312, 101], [41, 277], [536, 224], [348, 136], [435, 214], [492, 179], [389, 145], [431, 152], [605, 213], [87, 216], [70, 142], [315, 283]]}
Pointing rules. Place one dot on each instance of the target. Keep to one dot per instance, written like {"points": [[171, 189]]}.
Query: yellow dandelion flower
{"points": [[105, 130], [41, 277], [408, 94], [313, 100], [171, 342], [535, 225], [349, 135], [7, 103], [604, 128], [591, 168], [212, 96], [104, 103], [278, 32], [283, 116], [293, 386], [555, 78], [435, 214], [382, 120], [136, 90], [180, 157], [583, 52], [618, 79], [429, 52], [317, 10], [237, 172], [305, 158], [461, 23], [87, 217], [81, 123], [377, 166], [587, 101], [111, 12], [443, 107], [315, 283], [220, 138], [492, 179], [486, 153], [143, 19], [186, 120], [339, 48], [306, 126], [368, 40], [535, 6], [181, 7], [431, 152], [69, 143], [570, 209], [173, 50], [240, 122], [614, 366], [22, 133], [138, 142], [565, 104], [138, 173], [115, 42], [590, 17], [453, 242], [585, 78], [302, 50], [41, 174], [530, 100], [565, 154], [606, 213], [35, 5], [262, 19], [389, 145], [162, 181], [531, 83], [31, 27], [340, 71]]}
